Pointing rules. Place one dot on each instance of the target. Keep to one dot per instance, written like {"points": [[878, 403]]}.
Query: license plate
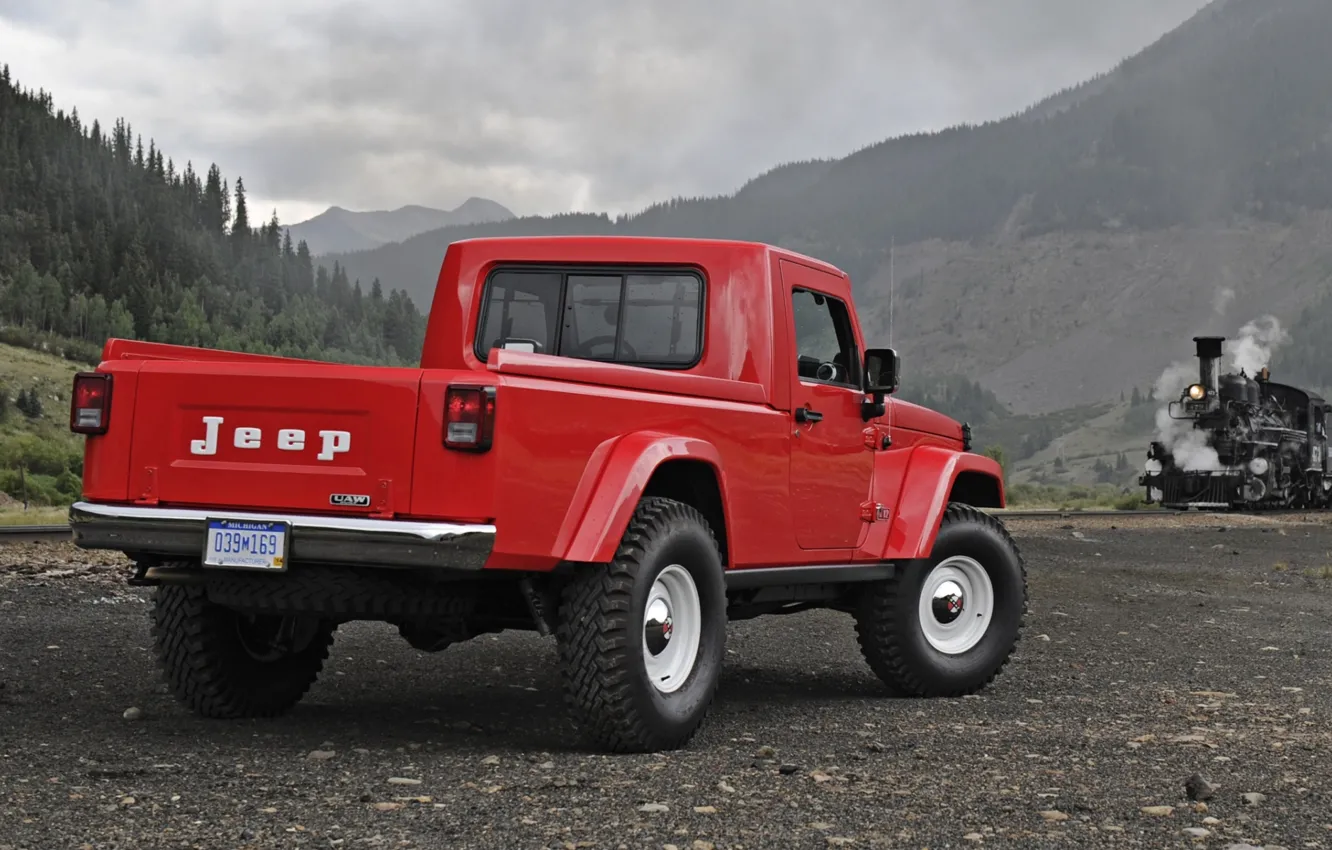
{"points": [[246, 544]]}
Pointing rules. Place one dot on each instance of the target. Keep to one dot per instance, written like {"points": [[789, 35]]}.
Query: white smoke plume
{"points": [[1221, 300], [1185, 443], [1255, 345]]}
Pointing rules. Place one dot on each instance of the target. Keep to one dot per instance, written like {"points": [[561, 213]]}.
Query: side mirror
{"points": [[881, 379], [881, 371]]}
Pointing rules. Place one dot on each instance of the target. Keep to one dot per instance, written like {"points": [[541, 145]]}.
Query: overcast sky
{"points": [[549, 105]]}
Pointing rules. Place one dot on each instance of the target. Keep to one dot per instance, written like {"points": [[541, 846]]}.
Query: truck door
{"points": [[831, 468]]}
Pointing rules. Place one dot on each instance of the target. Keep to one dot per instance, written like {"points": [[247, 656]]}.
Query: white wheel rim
{"points": [[956, 605], [672, 625]]}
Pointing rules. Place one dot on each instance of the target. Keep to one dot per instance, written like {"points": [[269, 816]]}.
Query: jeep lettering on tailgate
{"points": [[621, 443], [288, 440]]}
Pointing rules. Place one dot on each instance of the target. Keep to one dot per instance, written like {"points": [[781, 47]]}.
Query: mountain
{"points": [[337, 229], [1064, 255]]}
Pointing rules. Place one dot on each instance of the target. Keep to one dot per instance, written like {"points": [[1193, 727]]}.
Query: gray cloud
{"points": [[548, 104]]}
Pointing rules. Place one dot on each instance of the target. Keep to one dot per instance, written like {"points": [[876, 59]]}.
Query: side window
{"points": [[634, 318], [825, 345], [591, 317], [661, 318], [521, 311]]}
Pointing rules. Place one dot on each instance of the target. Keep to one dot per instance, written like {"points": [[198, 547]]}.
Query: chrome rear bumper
{"points": [[181, 533]]}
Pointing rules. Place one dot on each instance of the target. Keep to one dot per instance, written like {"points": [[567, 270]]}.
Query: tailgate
{"points": [[280, 436]]}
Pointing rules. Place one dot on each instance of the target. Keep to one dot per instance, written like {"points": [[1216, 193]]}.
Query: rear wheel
{"points": [[226, 664], [947, 627], [641, 639]]}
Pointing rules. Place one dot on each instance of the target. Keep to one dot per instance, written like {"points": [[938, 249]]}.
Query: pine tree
{"points": [[214, 201], [1104, 472], [240, 226], [29, 404]]}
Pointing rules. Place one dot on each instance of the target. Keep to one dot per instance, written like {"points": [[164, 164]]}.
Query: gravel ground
{"points": [[1155, 650]]}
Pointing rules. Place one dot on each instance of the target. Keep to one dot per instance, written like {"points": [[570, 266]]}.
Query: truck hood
{"points": [[916, 418]]}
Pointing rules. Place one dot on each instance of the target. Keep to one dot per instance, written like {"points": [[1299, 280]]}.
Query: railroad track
{"points": [[34, 533], [1005, 513], [1146, 512]]}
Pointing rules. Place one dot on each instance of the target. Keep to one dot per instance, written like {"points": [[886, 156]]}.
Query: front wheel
{"points": [[642, 639], [947, 627]]}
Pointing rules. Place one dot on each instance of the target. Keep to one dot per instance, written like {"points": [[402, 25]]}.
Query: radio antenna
{"points": [[892, 286], [892, 298]]}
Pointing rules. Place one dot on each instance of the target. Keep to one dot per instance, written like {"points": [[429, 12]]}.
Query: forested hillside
{"points": [[1305, 358], [101, 237]]}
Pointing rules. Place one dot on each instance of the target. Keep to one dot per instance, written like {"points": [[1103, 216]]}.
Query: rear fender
{"points": [[616, 475], [933, 477]]}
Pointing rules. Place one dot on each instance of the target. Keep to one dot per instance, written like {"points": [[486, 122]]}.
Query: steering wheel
{"points": [[586, 347], [829, 371]]}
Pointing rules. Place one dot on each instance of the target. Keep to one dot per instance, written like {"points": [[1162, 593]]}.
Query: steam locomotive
{"points": [[1243, 443]]}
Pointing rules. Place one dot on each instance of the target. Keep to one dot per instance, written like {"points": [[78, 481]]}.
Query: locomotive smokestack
{"points": [[1209, 359]]}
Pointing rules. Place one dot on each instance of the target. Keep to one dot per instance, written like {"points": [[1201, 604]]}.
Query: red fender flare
{"points": [[613, 481], [922, 498]]}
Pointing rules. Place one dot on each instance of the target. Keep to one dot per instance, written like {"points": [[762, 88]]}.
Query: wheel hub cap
{"points": [[672, 629], [948, 602], [657, 626], [956, 605]]}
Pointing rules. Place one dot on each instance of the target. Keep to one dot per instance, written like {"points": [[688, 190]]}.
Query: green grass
{"points": [[42, 446], [15, 515], [1073, 498]]}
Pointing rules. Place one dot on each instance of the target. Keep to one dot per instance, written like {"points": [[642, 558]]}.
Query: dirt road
{"points": [[1152, 653]]}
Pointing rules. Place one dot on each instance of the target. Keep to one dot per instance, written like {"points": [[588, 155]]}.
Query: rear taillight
{"points": [[469, 418], [90, 407]]}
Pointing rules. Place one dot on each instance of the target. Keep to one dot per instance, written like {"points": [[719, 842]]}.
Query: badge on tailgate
{"points": [[349, 500], [246, 544]]}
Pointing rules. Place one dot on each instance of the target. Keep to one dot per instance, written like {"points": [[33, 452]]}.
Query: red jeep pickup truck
{"points": [[622, 442]]}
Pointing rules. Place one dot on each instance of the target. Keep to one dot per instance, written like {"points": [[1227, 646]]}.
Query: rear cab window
{"points": [[636, 317]]}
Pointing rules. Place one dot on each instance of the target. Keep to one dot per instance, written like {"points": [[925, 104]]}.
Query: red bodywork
{"points": [[576, 442]]}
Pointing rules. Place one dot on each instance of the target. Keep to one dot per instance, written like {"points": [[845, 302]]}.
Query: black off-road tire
{"points": [[601, 641], [888, 622], [204, 659]]}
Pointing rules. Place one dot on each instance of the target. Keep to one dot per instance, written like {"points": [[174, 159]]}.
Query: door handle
{"points": [[804, 414]]}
